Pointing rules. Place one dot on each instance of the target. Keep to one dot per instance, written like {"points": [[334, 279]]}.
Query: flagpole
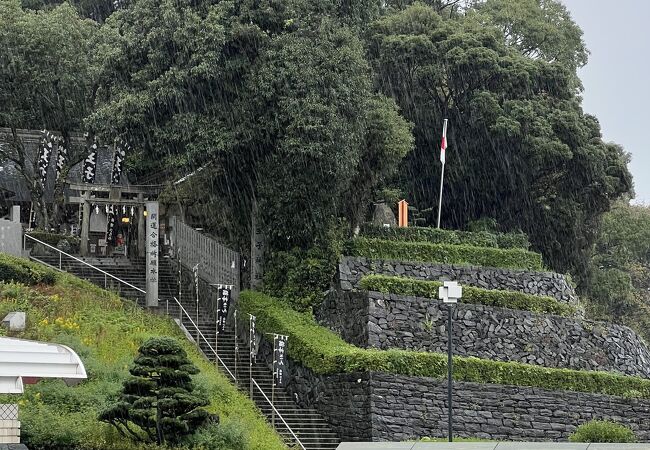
{"points": [[442, 179], [443, 160]]}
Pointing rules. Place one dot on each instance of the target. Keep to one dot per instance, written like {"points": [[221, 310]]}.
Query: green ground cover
{"points": [[489, 297], [440, 236], [106, 332], [512, 258], [324, 352]]}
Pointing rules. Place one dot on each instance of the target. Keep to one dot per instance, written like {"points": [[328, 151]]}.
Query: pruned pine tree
{"points": [[158, 404]]}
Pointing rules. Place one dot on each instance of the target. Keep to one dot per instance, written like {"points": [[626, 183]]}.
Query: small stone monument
{"points": [[14, 321], [383, 216]]}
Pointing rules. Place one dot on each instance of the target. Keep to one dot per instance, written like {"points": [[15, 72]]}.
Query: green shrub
{"points": [[24, 271], [444, 253], [229, 436], [54, 239], [602, 431], [439, 236], [301, 277], [324, 352], [504, 299]]}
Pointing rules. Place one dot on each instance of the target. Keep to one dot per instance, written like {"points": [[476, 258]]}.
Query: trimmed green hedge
{"points": [[439, 236], [54, 238], [24, 271], [324, 352], [444, 253], [504, 299]]}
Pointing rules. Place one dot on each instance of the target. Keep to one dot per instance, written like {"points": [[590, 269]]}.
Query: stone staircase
{"points": [[308, 425], [130, 271]]}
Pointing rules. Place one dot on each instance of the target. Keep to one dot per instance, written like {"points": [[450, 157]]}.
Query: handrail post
{"points": [[236, 347], [275, 342], [104, 281], [250, 353], [59, 261]]}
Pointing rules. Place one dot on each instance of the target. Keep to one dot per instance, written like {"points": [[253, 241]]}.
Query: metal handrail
{"points": [[61, 252], [205, 339], [278, 413], [184, 311]]}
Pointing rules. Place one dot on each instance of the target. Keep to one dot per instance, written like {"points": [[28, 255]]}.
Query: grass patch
{"points": [[488, 297], [444, 253], [455, 237], [324, 352], [106, 332]]}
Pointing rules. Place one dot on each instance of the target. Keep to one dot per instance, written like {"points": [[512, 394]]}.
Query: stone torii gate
{"points": [[98, 194]]}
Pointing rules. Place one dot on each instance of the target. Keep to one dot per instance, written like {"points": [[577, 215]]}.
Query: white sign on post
{"points": [[152, 232], [450, 292]]}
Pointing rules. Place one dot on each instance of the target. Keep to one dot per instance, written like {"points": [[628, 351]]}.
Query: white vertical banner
{"points": [[152, 233]]}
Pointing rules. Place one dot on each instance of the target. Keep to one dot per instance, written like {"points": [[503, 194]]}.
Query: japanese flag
{"points": [[443, 144]]}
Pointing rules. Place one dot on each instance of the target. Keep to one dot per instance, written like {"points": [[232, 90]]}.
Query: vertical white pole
{"points": [[442, 174], [442, 179]]}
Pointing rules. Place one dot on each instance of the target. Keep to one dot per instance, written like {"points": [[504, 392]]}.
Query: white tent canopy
{"points": [[28, 361]]}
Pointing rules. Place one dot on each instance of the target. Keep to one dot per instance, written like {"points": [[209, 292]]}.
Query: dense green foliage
{"points": [[47, 82], [620, 269], [602, 431], [106, 332], [159, 398], [521, 150], [275, 98], [503, 299], [444, 253], [23, 271], [324, 352], [97, 10], [45, 67], [312, 109], [537, 29], [440, 236]]}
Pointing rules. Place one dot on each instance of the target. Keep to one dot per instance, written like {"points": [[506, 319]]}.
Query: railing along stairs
{"points": [[315, 435], [200, 338], [59, 260]]}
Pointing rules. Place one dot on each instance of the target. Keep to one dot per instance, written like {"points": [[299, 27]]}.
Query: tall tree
{"points": [[619, 283], [540, 29], [46, 82], [275, 101], [521, 150]]}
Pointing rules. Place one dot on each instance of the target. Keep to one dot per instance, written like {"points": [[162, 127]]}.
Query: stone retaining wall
{"points": [[375, 406], [352, 269], [373, 319], [408, 407]]}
